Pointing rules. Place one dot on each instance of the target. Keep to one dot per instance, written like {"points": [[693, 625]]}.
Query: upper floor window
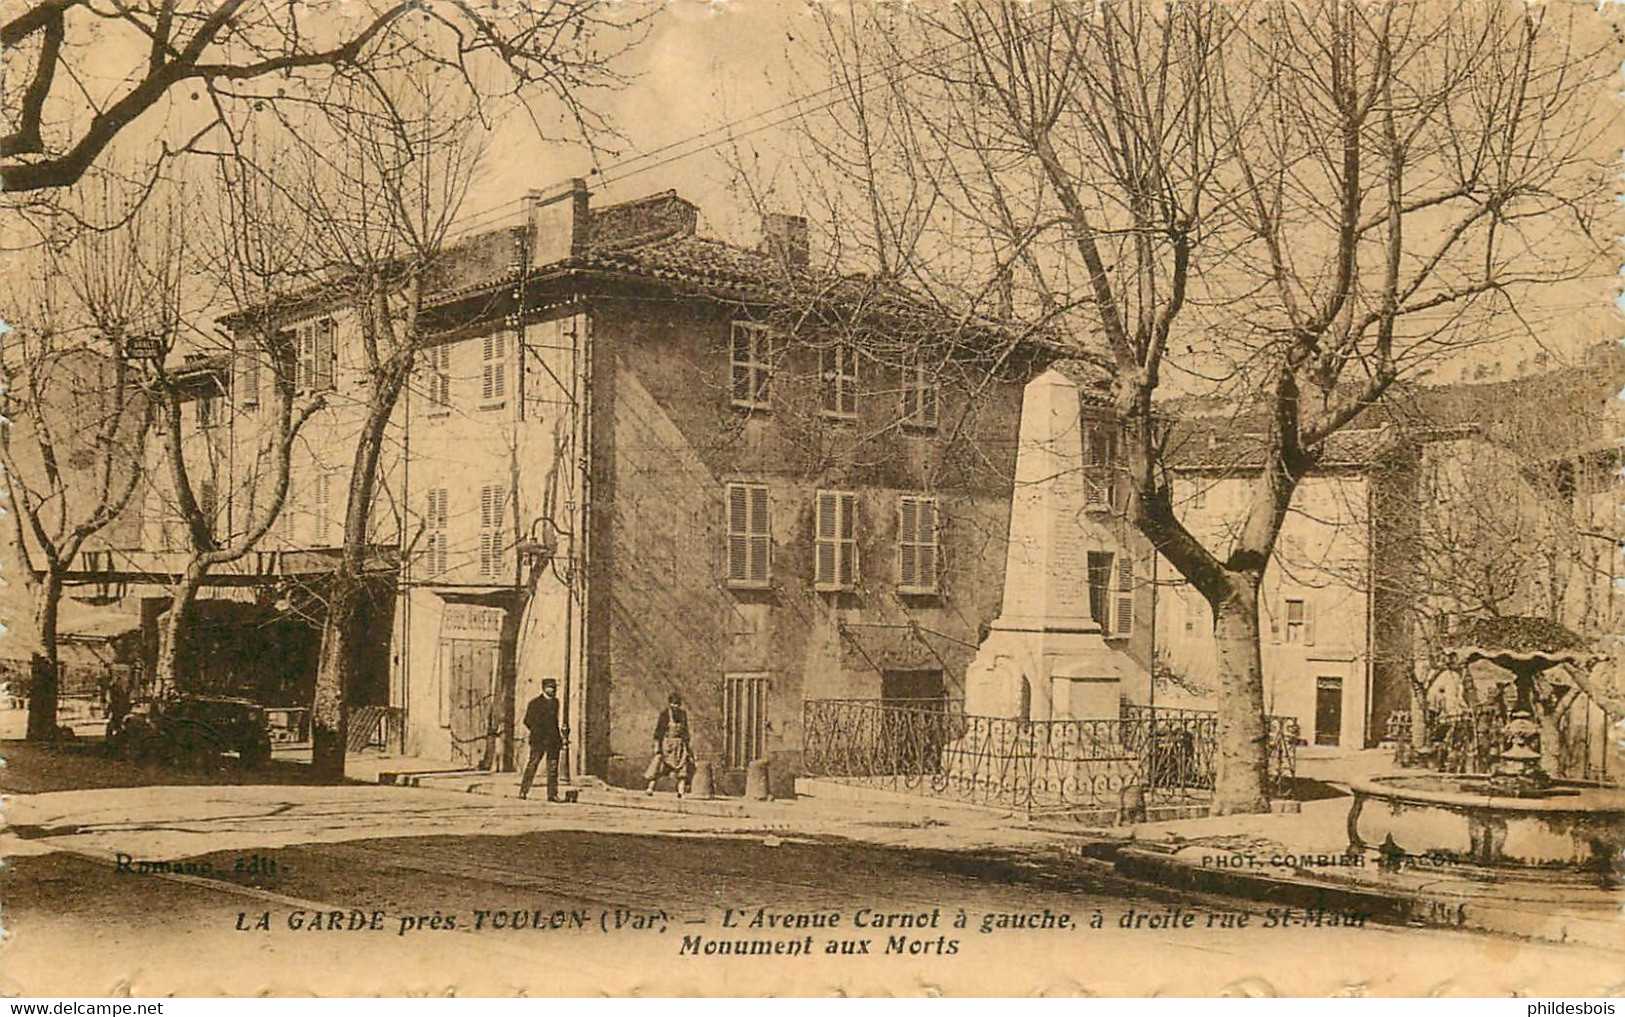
{"points": [[1100, 460], [750, 361], [493, 507], [1299, 624], [208, 409], [835, 558], [317, 355], [494, 368], [838, 380], [1111, 592], [437, 375], [922, 401], [918, 547], [749, 540]]}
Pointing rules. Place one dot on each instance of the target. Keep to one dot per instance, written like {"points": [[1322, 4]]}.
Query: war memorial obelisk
{"points": [[1044, 658]]}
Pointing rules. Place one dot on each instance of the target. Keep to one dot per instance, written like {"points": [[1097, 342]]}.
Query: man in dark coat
{"points": [[547, 738]]}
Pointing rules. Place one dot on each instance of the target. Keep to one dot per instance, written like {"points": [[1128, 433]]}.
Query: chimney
{"points": [[645, 220], [558, 222], [785, 238]]}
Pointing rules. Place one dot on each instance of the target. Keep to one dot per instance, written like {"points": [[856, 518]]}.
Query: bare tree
{"points": [[258, 257], [82, 74], [76, 420], [1290, 205], [380, 179]]}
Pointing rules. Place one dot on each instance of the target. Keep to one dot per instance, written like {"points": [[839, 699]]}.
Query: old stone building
{"points": [[634, 459]]}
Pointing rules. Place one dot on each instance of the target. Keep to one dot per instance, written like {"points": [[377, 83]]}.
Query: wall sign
{"points": [[472, 621]]}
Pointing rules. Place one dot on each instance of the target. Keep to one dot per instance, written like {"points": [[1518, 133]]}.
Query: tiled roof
{"points": [[707, 263], [1209, 445]]}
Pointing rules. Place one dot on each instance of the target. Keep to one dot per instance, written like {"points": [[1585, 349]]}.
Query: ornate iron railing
{"points": [[934, 748]]}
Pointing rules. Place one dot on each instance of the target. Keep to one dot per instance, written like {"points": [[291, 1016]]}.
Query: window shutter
{"points": [[325, 354], [1308, 622], [738, 538], [1275, 625], [824, 570], [323, 494], [849, 383], [849, 545], [761, 543], [1125, 595], [249, 380], [926, 527], [908, 517], [307, 357]]}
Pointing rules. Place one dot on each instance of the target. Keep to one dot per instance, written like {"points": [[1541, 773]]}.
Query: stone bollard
{"points": [[703, 780], [756, 782], [1132, 807]]}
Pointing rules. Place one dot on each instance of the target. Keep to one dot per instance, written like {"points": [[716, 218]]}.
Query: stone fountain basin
{"points": [[1571, 824]]}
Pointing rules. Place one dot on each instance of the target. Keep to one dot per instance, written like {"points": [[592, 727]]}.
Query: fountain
{"points": [[1516, 815]]}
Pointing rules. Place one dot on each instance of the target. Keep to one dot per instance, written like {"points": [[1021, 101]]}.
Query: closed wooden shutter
{"points": [[325, 355], [494, 367], [493, 502], [435, 519], [738, 538], [1124, 622], [248, 379], [908, 521], [917, 548], [307, 356], [749, 538], [324, 492], [826, 552], [849, 543], [835, 561]]}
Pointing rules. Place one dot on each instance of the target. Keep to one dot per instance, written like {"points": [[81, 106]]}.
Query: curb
{"points": [[443, 780]]}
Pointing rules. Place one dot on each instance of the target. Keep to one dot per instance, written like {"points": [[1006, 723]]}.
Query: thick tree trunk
{"points": [[164, 673], [329, 720], [1241, 756], [328, 716], [44, 670]]}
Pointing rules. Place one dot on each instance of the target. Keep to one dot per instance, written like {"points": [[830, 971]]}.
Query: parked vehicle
{"points": [[196, 731]]}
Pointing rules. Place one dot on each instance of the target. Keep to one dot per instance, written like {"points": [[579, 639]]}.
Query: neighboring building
{"points": [[1334, 631], [635, 459]]}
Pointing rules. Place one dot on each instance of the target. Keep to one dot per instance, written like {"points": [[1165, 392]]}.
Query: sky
{"points": [[702, 65]]}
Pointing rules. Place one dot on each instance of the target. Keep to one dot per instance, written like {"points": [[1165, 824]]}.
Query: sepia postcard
{"points": [[562, 497]]}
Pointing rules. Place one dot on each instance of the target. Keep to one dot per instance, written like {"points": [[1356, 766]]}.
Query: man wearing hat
{"points": [[546, 739]]}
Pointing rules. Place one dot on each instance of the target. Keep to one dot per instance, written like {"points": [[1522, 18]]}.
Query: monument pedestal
{"points": [[1029, 673]]}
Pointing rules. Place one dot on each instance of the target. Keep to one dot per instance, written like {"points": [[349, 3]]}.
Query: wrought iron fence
{"points": [[933, 747]]}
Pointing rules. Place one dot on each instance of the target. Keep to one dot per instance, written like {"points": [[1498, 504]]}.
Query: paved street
{"points": [[401, 857]]}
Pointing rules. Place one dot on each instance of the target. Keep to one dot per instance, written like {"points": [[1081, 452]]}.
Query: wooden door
{"points": [[1328, 710], [472, 695]]}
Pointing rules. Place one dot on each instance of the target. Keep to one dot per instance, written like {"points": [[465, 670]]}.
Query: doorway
{"points": [[472, 701], [1328, 710], [913, 721]]}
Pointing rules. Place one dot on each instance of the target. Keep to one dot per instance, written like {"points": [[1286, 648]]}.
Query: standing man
{"points": [[546, 739]]}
